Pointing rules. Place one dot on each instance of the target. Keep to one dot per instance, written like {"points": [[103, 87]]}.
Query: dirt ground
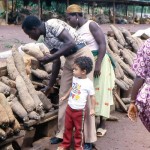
{"points": [[121, 135]]}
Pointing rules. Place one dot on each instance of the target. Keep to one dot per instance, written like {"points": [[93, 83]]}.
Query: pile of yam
{"points": [[122, 47], [24, 80], [9, 125]]}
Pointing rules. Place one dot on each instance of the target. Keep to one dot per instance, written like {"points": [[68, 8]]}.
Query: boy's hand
{"points": [[62, 98], [92, 112]]}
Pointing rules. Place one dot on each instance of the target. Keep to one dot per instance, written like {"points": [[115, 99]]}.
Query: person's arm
{"points": [[54, 74], [138, 82], [100, 39], [66, 95], [93, 102], [68, 44], [133, 111]]}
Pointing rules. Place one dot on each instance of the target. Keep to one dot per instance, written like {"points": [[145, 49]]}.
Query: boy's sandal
{"points": [[101, 132]]}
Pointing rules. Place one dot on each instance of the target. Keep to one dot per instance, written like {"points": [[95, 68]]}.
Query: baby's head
{"points": [[83, 65]]}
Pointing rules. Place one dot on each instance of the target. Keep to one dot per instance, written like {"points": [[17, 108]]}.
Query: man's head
{"points": [[73, 13], [31, 26]]}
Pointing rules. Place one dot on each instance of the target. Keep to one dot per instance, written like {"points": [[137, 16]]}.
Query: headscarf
{"points": [[74, 8]]}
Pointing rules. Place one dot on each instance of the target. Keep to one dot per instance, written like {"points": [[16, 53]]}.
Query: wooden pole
{"points": [[12, 6], [6, 11], [39, 9], [114, 12], [142, 11], [67, 3], [133, 11], [126, 10]]}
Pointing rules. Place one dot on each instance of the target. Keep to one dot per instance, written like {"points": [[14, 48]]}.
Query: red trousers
{"points": [[73, 119]]}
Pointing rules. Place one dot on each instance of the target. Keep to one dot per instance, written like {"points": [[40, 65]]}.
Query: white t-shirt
{"points": [[81, 88]]}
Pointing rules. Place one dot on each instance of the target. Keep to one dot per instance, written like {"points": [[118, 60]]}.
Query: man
{"points": [[59, 35]]}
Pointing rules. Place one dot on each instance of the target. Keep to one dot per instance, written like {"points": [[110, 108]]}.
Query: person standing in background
{"points": [[140, 96], [104, 77]]}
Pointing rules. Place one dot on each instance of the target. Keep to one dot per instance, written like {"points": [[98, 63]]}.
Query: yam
{"points": [[11, 68], [32, 91], [28, 86], [5, 89], [16, 127], [127, 58], [47, 105], [121, 84], [48, 67], [19, 62], [119, 72], [25, 97], [34, 115], [113, 45], [41, 74], [2, 134], [19, 110], [5, 104], [118, 35], [33, 50], [4, 120], [43, 48], [8, 81], [9, 132]]}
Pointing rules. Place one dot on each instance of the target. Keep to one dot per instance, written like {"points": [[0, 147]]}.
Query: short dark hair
{"points": [[84, 63], [30, 22]]}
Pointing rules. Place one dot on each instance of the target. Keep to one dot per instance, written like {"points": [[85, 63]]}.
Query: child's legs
{"points": [[67, 137], [78, 118]]}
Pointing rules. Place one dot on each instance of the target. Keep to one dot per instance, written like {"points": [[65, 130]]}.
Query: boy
{"points": [[82, 87]]}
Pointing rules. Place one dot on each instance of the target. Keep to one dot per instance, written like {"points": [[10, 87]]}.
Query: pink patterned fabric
{"points": [[141, 67]]}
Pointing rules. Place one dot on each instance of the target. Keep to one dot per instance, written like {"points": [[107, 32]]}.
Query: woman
{"points": [[103, 73], [59, 35], [140, 97]]}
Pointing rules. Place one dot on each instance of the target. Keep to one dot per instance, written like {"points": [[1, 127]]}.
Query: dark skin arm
{"points": [[100, 39], [54, 74], [69, 43], [133, 111], [138, 82]]}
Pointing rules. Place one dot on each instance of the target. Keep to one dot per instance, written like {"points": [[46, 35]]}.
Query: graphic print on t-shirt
{"points": [[75, 93]]}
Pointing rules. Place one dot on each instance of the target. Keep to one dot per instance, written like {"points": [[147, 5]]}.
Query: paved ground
{"points": [[121, 135]]}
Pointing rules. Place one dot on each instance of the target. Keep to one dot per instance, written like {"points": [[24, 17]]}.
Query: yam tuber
{"points": [[8, 81], [34, 115], [25, 97], [5, 104], [33, 50], [16, 127], [5, 89], [2, 134], [4, 120], [46, 102], [41, 74], [19, 110], [11, 68]]}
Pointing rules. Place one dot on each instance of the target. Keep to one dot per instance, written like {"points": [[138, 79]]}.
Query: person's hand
{"points": [[132, 112], [97, 71], [45, 59], [92, 112], [62, 98], [47, 90]]}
